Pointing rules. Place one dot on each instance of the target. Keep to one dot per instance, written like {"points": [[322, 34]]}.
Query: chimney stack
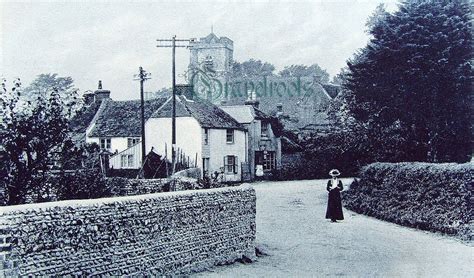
{"points": [[251, 100], [279, 108], [185, 90], [101, 94]]}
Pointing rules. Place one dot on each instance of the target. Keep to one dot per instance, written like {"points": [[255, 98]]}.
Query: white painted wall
{"points": [[117, 144], [188, 137], [91, 140], [219, 148], [115, 161]]}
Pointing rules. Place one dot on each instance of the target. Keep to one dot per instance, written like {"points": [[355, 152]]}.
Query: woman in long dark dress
{"points": [[334, 187]]}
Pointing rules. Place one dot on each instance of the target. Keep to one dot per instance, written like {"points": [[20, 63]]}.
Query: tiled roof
{"points": [[83, 118], [242, 113], [299, 112], [122, 118], [207, 114], [332, 90], [260, 115], [245, 113]]}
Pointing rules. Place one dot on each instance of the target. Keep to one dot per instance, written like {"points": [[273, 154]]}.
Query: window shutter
{"points": [[225, 164], [236, 165]]}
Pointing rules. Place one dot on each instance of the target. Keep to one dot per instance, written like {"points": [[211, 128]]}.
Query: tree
{"points": [[413, 78], [45, 84], [32, 132], [305, 71], [341, 77], [252, 68]]}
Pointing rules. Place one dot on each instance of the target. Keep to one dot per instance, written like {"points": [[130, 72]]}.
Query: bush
{"points": [[124, 173], [82, 184], [346, 151], [433, 197]]}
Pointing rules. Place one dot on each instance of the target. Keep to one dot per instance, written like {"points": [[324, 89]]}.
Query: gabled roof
{"points": [[210, 38], [260, 115], [207, 114], [242, 113], [245, 113], [80, 122], [122, 118], [332, 90]]}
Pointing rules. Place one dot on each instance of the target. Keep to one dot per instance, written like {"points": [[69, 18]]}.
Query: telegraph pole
{"points": [[165, 43], [173, 117], [142, 76]]}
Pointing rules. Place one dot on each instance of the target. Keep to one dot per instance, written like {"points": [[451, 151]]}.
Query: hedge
{"points": [[433, 197]]}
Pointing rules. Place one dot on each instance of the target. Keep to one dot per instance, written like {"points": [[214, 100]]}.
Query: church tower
{"points": [[210, 66], [213, 52]]}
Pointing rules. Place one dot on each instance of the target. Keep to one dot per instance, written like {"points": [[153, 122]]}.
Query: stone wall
{"points": [[194, 173], [154, 234], [128, 187]]}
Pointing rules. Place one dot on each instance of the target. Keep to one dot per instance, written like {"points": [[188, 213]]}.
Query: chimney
{"points": [[279, 107], [251, 100], [101, 94], [185, 90]]}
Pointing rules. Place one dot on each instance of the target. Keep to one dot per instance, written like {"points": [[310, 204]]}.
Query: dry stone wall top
{"points": [[154, 234]]}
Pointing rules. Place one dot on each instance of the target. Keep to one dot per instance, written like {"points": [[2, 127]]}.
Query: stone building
{"points": [[214, 52], [300, 102]]}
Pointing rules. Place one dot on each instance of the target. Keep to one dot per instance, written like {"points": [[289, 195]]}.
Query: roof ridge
{"points": [[161, 107], [187, 108]]}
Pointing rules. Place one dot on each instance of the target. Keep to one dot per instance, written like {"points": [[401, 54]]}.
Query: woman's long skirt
{"points": [[334, 209]]}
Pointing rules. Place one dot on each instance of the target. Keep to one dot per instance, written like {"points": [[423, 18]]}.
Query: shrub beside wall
{"points": [[82, 185], [127, 187], [155, 234], [434, 197]]}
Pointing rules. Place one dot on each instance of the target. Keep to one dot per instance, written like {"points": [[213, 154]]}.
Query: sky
{"points": [[108, 41]]}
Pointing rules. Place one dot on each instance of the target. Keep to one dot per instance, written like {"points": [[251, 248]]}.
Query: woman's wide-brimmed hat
{"points": [[334, 173]]}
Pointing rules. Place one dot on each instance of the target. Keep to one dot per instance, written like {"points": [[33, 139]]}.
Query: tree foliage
{"points": [[45, 84], [34, 136], [252, 68], [410, 86], [305, 71], [257, 68]]}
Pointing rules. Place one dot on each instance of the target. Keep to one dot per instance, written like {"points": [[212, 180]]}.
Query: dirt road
{"points": [[291, 228]]}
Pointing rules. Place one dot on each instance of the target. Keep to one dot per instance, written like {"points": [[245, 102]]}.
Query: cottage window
{"points": [[206, 136], [230, 136], [230, 164], [132, 141], [264, 129], [105, 143], [126, 161], [266, 158]]}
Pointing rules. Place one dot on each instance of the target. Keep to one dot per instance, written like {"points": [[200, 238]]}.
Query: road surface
{"points": [[300, 243]]}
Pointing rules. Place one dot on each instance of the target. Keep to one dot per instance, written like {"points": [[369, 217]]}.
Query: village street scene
{"points": [[237, 139]]}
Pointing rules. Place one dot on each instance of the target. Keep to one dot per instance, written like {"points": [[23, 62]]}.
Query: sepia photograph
{"points": [[257, 138]]}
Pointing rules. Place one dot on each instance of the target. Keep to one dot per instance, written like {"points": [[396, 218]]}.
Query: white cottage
{"points": [[264, 143], [115, 126], [212, 139]]}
